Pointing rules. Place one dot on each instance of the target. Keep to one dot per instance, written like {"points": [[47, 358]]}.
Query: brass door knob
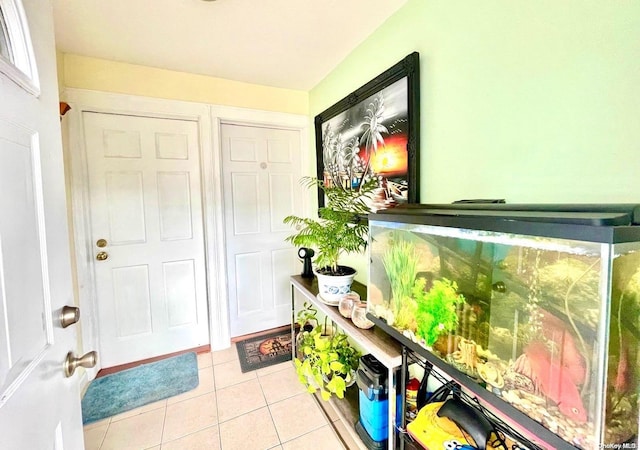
{"points": [[101, 256], [88, 361], [69, 315]]}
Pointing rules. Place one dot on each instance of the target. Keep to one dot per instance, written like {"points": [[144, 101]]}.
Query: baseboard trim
{"points": [[260, 333], [120, 368]]}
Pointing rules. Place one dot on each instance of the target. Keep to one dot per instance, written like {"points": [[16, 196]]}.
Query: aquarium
{"points": [[539, 304]]}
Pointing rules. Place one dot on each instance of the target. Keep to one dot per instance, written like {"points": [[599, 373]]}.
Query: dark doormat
{"points": [[263, 351]]}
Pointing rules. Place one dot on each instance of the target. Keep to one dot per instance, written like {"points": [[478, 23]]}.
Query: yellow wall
{"points": [[101, 75]]}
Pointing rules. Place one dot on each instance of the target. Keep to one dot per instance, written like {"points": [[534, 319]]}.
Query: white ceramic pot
{"points": [[332, 288]]}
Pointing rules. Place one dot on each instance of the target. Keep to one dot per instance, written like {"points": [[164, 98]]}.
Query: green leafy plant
{"points": [[436, 311], [307, 317], [328, 363], [339, 229]]}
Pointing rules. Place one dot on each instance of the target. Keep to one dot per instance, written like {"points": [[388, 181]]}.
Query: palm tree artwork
{"points": [[368, 141], [373, 129]]}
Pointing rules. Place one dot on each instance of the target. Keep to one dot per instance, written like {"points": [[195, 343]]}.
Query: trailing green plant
{"points": [[307, 317], [339, 228], [401, 265], [436, 311], [328, 364]]}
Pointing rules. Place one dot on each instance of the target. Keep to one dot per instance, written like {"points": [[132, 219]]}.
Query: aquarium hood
{"points": [[621, 214]]}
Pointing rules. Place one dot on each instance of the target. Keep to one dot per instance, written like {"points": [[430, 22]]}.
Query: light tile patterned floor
{"points": [[264, 409]]}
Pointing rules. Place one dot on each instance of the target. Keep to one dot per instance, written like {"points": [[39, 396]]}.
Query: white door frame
{"points": [[209, 119], [240, 116]]}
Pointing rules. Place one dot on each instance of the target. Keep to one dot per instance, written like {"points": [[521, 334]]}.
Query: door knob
{"points": [[101, 256], [69, 315], [72, 362]]}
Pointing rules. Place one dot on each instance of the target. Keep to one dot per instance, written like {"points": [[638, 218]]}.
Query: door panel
{"points": [[125, 205], [250, 297], [174, 207], [39, 406], [261, 167], [145, 194], [244, 200], [287, 261], [23, 260], [172, 146], [279, 151], [281, 199], [121, 144], [132, 300], [180, 291]]}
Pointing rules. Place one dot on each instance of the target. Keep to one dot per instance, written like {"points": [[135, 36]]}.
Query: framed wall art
{"points": [[373, 133]]}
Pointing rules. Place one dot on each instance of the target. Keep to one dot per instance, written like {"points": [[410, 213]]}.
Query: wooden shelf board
{"points": [[380, 344]]}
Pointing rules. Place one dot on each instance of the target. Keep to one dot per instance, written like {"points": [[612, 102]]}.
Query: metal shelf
{"points": [[534, 431]]}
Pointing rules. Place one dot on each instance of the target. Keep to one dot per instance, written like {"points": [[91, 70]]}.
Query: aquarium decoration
{"points": [[401, 263], [436, 311]]}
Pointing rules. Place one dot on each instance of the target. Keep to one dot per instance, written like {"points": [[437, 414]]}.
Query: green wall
{"points": [[535, 101]]}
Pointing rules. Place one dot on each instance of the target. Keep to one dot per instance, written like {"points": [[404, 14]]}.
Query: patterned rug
{"points": [[148, 383], [263, 351]]}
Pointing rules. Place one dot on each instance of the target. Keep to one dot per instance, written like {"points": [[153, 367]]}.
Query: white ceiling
{"points": [[284, 43]]}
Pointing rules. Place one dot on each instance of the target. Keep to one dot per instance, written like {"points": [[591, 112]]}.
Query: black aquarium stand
{"points": [[504, 416]]}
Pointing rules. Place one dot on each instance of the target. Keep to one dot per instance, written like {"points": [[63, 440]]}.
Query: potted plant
{"points": [[307, 317], [328, 363], [339, 229], [306, 321]]}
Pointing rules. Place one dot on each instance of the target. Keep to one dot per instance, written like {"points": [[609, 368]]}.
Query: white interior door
{"points": [[145, 201], [39, 406], [261, 170]]}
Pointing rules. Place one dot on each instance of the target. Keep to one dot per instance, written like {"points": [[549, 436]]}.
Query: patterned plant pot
{"points": [[333, 287]]}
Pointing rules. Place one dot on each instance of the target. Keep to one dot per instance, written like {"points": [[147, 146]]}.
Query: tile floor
{"points": [[264, 409]]}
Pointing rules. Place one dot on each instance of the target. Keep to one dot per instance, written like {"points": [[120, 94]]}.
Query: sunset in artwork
{"points": [[390, 160]]}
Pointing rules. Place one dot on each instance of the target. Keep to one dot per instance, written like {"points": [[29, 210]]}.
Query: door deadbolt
{"points": [[88, 361], [101, 243], [101, 256], [69, 315]]}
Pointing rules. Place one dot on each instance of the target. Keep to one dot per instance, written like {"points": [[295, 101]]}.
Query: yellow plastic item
{"points": [[433, 432], [441, 433]]}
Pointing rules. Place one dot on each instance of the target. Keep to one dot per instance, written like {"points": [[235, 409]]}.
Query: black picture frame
{"points": [[364, 115]]}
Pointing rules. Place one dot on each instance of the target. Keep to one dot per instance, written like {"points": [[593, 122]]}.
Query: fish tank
{"points": [[538, 304]]}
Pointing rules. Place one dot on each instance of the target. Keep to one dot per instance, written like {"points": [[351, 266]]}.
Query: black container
{"points": [[366, 439], [372, 378]]}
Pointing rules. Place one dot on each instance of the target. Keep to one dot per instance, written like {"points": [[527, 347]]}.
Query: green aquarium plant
{"points": [[436, 309], [401, 265], [328, 363]]}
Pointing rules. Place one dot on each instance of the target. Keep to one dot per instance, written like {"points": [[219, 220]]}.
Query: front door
{"points": [[261, 170], [147, 235], [39, 406]]}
